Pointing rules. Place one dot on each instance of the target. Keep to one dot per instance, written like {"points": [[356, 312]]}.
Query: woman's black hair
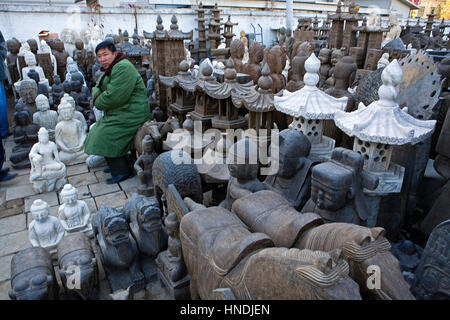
{"points": [[106, 44]]}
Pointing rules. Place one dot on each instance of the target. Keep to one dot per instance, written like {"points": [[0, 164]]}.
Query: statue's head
{"points": [[40, 210], [13, 46], [237, 49], [149, 215], [393, 18], [242, 33], [336, 55], [331, 186], [69, 195], [126, 37], [42, 103], [32, 74], [45, 47], [43, 135], [30, 59], [69, 99], [58, 45], [79, 44], [76, 85], [65, 110], [114, 227], [324, 55], [172, 224], [28, 91], [22, 118], [243, 160], [67, 86], [147, 144], [33, 45], [56, 79], [294, 148]]}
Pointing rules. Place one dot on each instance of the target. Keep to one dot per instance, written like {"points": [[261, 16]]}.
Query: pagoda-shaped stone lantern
{"points": [[380, 126], [183, 101], [228, 117], [259, 101], [228, 31], [310, 106]]}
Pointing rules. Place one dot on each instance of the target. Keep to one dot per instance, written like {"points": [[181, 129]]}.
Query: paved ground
{"points": [[17, 195]]}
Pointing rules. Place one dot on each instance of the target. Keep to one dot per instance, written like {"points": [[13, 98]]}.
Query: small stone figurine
{"points": [[45, 117], [57, 90], [47, 171], [143, 166], [74, 214], [25, 135], [45, 231]]}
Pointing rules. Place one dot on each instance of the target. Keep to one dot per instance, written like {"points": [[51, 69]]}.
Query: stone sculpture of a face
{"points": [[28, 91]]}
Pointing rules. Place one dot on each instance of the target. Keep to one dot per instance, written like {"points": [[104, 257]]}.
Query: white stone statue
{"points": [[47, 171], [96, 37], [45, 48], [246, 57], [74, 214], [187, 53], [70, 136], [72, 67], [68, 36], [394, 31], [86, 37], [45, 230], [30, 60], [384, 61], [77, 114], [374, 21], [45, 117]]}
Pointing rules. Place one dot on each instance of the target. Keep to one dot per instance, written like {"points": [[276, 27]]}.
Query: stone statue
{"points": [[143, 166], [297, 71], [77, 114], [32, 276], [275, 57], [324, 57], [74, 214], [220, 252], [68, 36], [45, 117], [75, 253], [57, 90], [336, 55], [237, 50], [13, 46], [47, 171], [28, 92], [337, 189], [45, 230], [80, 56], [45, 48], [293, 180], [61, 57], [33, 45], [67, 87], [70, 136], [256, 56], [42, 87], [243, 170], [96, 37], [82, 99], [72, 69], [25, 135], [394, 31], [374, 21], [118, 248], [30, 60], [384, 61]]}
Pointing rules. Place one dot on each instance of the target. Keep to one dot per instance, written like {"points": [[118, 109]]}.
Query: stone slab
{"points": [[96, 169], [102, 176], [130, 183], [18, 192], [7, 212], [91, 205], [5, 267], [19, 172], [77, 169], [17, 181], [50, 197], [13, 224], [113, 200], [14, 242], [4, 288], [82, 179], [102, 188]]}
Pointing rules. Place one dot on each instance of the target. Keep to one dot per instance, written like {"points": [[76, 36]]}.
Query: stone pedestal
{"points": [[177, 290]]}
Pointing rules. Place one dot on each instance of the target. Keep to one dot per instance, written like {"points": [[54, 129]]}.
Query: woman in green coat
{"points": [[120, 92]]}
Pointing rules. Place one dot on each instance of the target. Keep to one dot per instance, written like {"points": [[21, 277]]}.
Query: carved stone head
{"points": [[13, 46], [69, 195], [43, 135], [237, 49], [22, 118], [33, 45], [28, 91], [42, 103], [67, 86], [149, 215], [115, 228], [66, 111], [58, 45], [324, 56], [30, 59], [40, 210], [79, 44], [76, 85], [56, 80], [294, 148], [336, 55], [147, 144], [32, 74]]}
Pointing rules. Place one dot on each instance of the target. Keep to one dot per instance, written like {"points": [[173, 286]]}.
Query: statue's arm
{"points": [[137, 166], [58, 140], [60, 231], [237, 192], [32, 236], [86, 213], [55, 153]]}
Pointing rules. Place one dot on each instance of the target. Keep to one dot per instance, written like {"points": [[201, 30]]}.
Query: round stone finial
{"points": [[174, 25], [183, 66], [391, 77], [188, 124], [230, 72], [265, 81], [206, 68], [312, 67], [159, 22]]}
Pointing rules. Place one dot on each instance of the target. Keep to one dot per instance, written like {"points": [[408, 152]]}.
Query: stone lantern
{"points": [[183, 100], [310, 106], [228, 31], [379, 127]]}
